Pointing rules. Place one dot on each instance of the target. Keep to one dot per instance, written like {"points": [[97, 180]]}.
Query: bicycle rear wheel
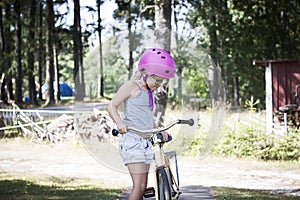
{"points": [[163, 185]]}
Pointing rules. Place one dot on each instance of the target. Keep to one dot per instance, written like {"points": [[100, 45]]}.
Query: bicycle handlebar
{"points": [[157, 130]]}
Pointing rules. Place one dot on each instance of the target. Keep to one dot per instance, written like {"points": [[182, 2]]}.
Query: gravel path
{"points": [[73, 160]]}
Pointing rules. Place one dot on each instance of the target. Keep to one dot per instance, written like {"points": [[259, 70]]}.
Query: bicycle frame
{"points": [[168, 155]]}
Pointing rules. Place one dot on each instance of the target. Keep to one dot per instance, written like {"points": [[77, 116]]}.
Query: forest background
{"points": [[39, 44]]}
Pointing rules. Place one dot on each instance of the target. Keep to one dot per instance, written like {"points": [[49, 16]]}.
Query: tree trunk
{"points": [[1, 34], [49, 52], [8, 52], [129, 24], [78, 58], [235, 86], [163, 12], [9, 90], [56, 72], [214, 73], [31, 50], [19, 75], [2, 50], [41, 50], [3, 92], [100, 92], [163, 29]]}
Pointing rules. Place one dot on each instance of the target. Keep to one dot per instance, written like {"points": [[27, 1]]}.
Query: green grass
{"points": [[31, 188], [28, 187], [223, 193]]}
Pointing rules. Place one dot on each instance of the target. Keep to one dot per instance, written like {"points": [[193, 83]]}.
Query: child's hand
{"points": [[122, 128], [165, 136]]}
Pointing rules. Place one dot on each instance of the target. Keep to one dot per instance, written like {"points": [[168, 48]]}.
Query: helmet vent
{"points": [[167, 71], [158, 52], [163, 57]]}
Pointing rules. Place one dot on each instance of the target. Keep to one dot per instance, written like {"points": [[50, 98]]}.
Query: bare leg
{"points": [[139, 175]]}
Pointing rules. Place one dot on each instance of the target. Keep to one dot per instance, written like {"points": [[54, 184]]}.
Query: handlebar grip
{"points": [[115, 132], [186, 121]]}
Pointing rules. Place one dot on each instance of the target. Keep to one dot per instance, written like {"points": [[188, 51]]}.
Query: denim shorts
{"points": [[135, 149]]}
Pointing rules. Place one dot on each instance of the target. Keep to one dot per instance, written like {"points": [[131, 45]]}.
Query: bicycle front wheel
{"points": [[163, 186]]}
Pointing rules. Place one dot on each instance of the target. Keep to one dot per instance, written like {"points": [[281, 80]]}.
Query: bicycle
{"points": [[167, 186]]}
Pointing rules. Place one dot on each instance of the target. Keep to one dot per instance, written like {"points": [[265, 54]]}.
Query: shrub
{"points": [[249, 141]]}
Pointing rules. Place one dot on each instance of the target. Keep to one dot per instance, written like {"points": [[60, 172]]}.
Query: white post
{"points": [[269, 99]]}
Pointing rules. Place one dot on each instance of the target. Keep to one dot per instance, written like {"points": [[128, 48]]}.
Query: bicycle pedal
{"points": [[176, 193], [149, 192]]}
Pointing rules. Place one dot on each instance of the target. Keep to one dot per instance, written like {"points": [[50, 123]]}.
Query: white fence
{"points": [[33, 122], [57, 125]]}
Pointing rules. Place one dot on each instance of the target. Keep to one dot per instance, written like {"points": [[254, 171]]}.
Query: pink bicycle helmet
{"points": [[156, 61]]}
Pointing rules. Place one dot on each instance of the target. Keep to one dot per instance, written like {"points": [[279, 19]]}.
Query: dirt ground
{"points": [[32, 157]]}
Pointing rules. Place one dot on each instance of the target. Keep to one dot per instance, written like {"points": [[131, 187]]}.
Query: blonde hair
{"points": [[137, 75]]}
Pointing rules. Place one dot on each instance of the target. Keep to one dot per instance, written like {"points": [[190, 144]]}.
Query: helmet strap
{"points": [[149, 92]]}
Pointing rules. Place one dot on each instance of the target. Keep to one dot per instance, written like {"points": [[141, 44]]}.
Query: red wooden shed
{"points": [[282, 86]]}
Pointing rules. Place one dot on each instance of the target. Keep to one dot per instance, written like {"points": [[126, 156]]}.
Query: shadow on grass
{"points": [[20, 189], [225, 193]]}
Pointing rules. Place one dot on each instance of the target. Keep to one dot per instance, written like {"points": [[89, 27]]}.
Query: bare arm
{"points": [[125, 91]]}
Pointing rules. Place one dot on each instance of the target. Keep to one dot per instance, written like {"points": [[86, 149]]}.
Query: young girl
{"points": [[155, 66]]}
